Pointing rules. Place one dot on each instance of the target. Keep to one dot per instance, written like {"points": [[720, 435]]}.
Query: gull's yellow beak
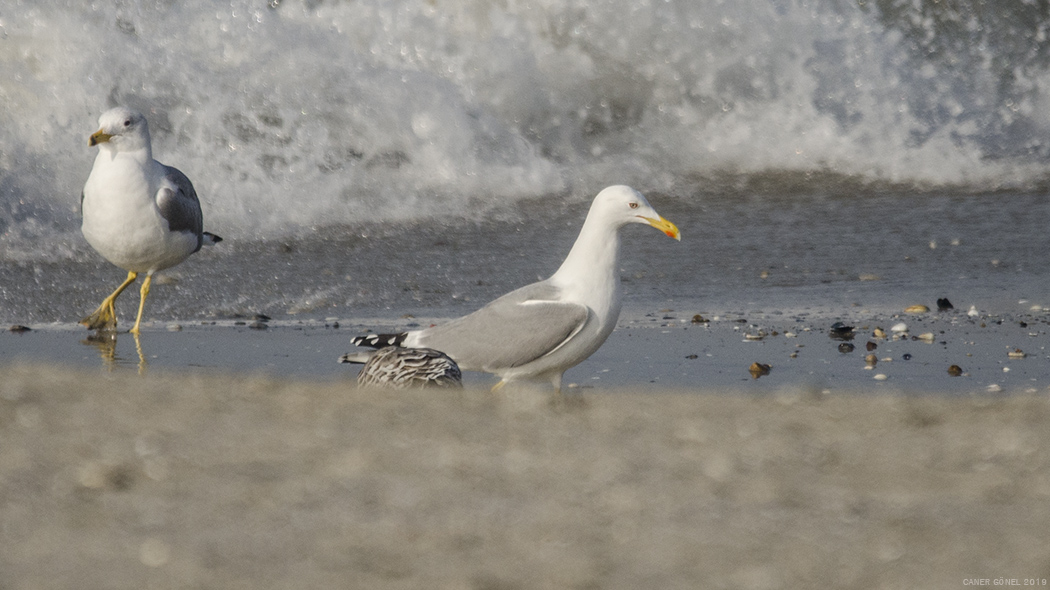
{"points": [[665, 226], [98, 137]]}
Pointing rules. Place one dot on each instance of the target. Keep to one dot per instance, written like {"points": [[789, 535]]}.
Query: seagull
{"points": [[137, 213], [541, 330], [406, 368]]}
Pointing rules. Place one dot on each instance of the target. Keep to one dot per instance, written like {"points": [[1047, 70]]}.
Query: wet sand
{"points": [[183, 479]]}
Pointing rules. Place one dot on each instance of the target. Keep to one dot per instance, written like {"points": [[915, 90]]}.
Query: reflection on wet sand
{"points": [[106, 343]]}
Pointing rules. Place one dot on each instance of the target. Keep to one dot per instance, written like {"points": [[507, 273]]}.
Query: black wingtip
{"points": [[214, 238], [379, 340]]}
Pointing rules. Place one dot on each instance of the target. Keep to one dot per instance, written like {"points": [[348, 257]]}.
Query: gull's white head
{"points": [[620, 205], [121, 129]]}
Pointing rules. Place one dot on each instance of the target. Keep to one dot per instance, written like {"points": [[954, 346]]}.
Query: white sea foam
{"points": [[309, 113]]}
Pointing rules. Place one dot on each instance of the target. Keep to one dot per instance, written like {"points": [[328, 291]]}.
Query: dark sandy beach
{"points": [[183, 479]]}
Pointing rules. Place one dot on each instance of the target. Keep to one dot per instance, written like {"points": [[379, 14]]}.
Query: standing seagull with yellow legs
{"points": [[137, 213], [539, 331]]}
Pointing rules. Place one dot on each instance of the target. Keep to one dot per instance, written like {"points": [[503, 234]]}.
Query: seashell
{"points": [[916, 309], [927, 337], [881, 377], [1016, 353], [973, 311], [840, 331], [898, 328], [879, 333]]}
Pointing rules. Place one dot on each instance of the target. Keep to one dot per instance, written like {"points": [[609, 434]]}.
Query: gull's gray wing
{"points": [[513, 330], [178, 203]]}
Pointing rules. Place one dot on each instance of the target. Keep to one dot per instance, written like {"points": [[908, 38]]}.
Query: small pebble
{"points": [[973, 311], [907, 356], [845, 347], [955, 370], [870, 346], [871, 359], [257, 325], [926, 337], [916, 309], [17, 329], [758, 370], [879, 333], [900, 327], [881, 377], [699, 319], [944, 305], [174, 328], [993, 388]]}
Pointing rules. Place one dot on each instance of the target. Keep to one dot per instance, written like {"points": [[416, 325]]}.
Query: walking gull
{"points": [[137, 213], [541, 330]]}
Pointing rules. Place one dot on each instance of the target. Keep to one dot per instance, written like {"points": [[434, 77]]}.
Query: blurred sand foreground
{"points": [[203, 481]]}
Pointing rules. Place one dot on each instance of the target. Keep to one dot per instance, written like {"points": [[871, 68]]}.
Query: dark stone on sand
{"points": [[699, 319], [944, 305], [845, 347], [907, 357], [870, 346], [840, 331], [18, 329], [955, 370], [692, 356]]}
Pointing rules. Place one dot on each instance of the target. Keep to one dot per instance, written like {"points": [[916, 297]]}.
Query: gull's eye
{"points": [[127, 122], [633, 205]]}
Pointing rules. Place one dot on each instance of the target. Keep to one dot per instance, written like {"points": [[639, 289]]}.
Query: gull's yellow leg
{"points": [[142, 302], [105, 318]]}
